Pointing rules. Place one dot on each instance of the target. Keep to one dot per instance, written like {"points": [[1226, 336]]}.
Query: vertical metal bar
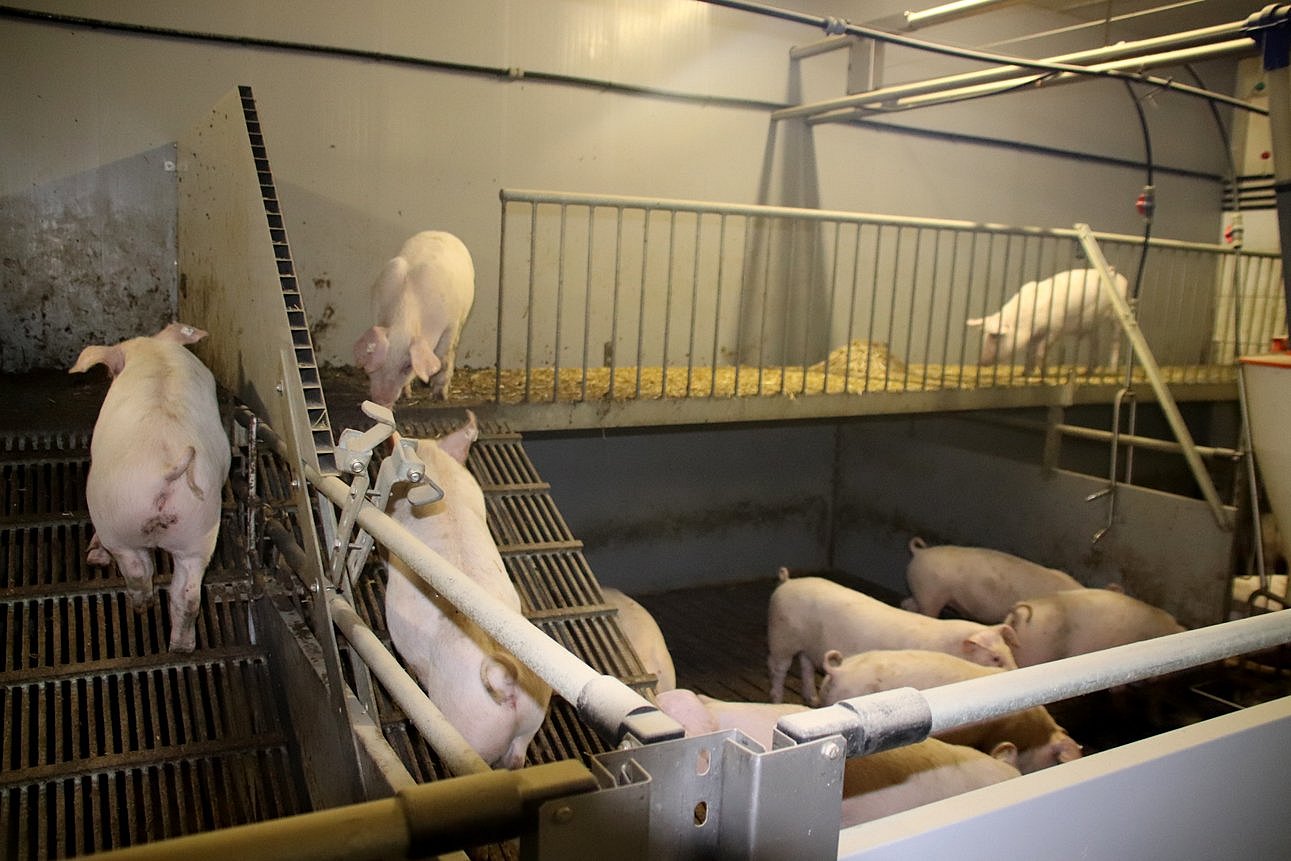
{"points": [[560, 298], [746, 261], [641, 305], [694, 309], [502, 278], [829, 309], [613, 351], [787, 292], [762, 323], [1164, 398], [533, 266], [587, 300], [717, 303], [667, 303], [874, 300], [813, 231]]}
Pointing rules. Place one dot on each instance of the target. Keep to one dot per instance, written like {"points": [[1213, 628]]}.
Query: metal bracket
{"points": [[711, 796], [354, 454]]}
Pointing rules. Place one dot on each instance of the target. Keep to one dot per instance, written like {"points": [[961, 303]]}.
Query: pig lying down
{"points": [[810, 616], [647, 640], [1041, 313], [1078, 621], [977, 582], [873, 786], [492, 699], [1039, 741], [158, 461], [419, 303]]}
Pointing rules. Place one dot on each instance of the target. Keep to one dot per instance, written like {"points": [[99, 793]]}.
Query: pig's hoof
{"points": [[183, 644]]}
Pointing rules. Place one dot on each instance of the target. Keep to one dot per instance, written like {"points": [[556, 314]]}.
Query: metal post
{"points": [[1271, 29], [1153, 371]]}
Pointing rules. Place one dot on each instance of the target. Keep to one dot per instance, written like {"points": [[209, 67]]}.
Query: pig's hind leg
{"points": [[137, 568], [185, 600], [808, 672], [778, 667]]}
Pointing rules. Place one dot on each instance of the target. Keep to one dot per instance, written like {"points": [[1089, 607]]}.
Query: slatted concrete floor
{"points": [[109, 740]]}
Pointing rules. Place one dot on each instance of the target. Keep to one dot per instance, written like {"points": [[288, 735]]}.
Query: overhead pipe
{"points": [[1122, 50], [893, 718], [948, 12]]}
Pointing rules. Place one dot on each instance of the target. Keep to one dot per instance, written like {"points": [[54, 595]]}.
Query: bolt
{"points": [[314, 588], [831, 750], [414, 476], [356, 466], [562, 814]]}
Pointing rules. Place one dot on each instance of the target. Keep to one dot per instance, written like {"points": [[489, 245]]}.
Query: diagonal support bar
{"points": [[1153, 371]]}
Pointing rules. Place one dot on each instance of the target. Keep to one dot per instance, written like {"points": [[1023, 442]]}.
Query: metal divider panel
{"points": [[109, 739]]}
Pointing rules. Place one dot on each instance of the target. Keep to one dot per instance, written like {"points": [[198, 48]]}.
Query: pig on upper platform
{"points": [[420, 302], [495, 701], [159, 458], [810, 616], [647, 640]]}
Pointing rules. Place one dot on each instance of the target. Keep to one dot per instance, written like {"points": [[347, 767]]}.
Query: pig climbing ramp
{"points": [[558, 593], [110, 740]]}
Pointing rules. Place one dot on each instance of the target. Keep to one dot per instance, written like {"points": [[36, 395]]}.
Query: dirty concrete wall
{"points": [[87, 259]]}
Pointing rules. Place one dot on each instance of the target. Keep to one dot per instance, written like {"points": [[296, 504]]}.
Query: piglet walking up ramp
{"points": [[158, 461]]}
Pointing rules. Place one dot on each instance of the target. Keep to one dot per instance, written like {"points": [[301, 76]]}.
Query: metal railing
{"points": [[621, 298]]}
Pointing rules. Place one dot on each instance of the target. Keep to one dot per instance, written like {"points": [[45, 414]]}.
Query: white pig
{"points": [[419, 303], [809, 616], [647, 640], [1078, 621], [1244, 587], [158, 462], [1042, 312], [978, 582], [494, 701], [874, 786], [1040, 742]]}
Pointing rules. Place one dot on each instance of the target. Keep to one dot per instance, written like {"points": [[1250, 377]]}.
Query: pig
{"points": [[1042, 312], [809, 616], [159, 458], [874, 786], [1077, 621], [419, 303], [647, 640], [977, 582], [495, 701], [1039, 741], [1244, 588]]}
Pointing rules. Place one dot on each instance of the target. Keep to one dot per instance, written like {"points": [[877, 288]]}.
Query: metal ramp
{"points": [[110, 740]]}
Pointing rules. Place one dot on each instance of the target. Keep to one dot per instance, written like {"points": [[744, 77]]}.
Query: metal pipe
{"points": [[948, 12], [510, 195], [457, 754], [822, 46], [890, 718], [1152, 370], [1100, 435], [1018, 82], [1120, 51], [420, 821]]}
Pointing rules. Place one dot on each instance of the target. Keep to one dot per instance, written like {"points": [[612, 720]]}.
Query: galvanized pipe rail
{"points": [[894, 718], [613, 709]]}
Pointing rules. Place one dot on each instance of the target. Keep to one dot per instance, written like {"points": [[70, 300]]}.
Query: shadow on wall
{"points": [[88, 258]]}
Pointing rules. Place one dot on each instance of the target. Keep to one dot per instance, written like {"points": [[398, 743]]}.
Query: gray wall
{"points": [[366, 153]]}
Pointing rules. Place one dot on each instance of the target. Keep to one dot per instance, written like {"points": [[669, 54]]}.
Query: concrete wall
{"points": [[367, 152]]}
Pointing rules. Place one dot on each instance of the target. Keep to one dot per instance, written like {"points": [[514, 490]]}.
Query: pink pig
{"points": [[158, 461], [980, 583], [1078, 621], [419, 302], [1040, 742], [1036, 317], [495, 702], [809, 616], [873, 786], [647, 640]]}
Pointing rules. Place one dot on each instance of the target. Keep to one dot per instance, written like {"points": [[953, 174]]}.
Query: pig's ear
{"points": [[1064, 747], [425, 364], [499, 674], [1019, 615], [833, 660], [370, 349], [181, 333], [1010, 636], [114, 357], [1006, 751], [458, 443]]}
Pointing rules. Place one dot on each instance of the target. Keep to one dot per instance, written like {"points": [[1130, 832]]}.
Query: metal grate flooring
{"points": [[109, 740]]}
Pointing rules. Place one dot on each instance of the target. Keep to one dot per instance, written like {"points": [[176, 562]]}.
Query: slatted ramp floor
{"points": [[109, 740]]}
